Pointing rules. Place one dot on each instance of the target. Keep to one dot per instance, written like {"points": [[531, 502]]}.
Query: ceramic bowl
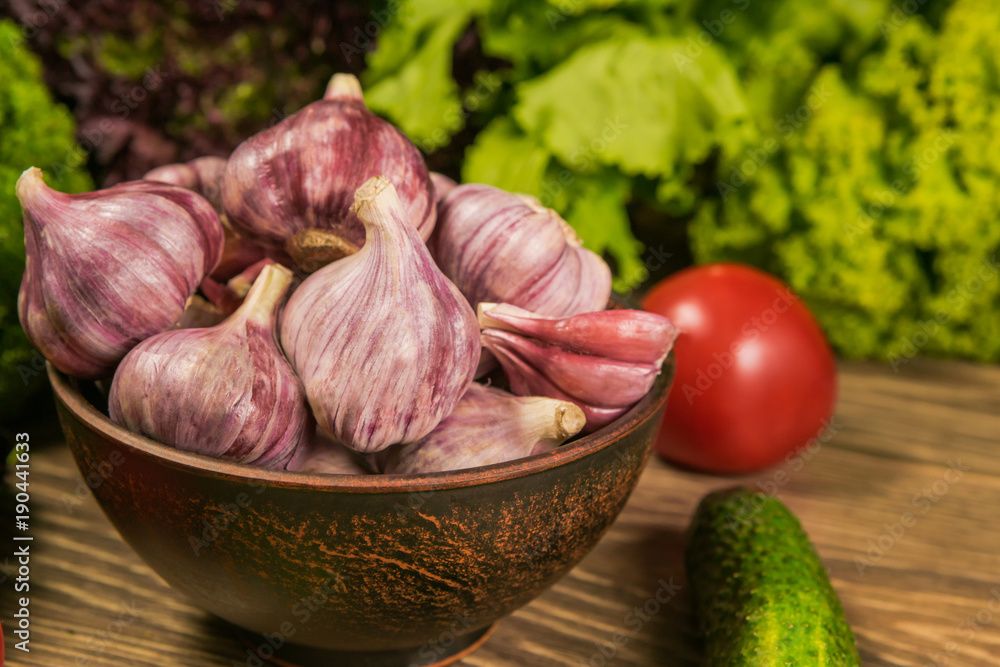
{"points": [[366, 570]]}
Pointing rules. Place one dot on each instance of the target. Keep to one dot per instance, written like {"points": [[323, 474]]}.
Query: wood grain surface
{"points": [[929, 595]]}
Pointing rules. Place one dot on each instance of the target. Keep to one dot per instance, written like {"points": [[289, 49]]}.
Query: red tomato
{"points": [[755, 376]]}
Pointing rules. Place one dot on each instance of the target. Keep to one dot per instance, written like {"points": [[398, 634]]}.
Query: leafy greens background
{"points": [[847, 146]]}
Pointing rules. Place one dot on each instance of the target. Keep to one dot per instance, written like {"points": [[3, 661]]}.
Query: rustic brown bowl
{"points": [[392, 570]]}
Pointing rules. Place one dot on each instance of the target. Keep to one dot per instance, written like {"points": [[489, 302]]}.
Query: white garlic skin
{"points": [[384, 343]]}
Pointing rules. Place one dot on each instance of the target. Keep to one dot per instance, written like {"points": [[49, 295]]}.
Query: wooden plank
{"points": [[911, 600]]}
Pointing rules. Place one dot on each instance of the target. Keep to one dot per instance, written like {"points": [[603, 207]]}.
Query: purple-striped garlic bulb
{"points": [[201, 175], [108, 269], [442, 185], [302, 173], [204, 176], [225, 392], [487, 426], [603, 362], [327, 457], [384, 343], [502, 247]]}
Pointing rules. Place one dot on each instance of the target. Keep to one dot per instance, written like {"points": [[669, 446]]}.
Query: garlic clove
{"points": [[502, 247], [107, 269], [303, 172], [384, 343], [225, 391], [201, 175], [487, 426], [528, 381], [595, 380], [626, 335]]}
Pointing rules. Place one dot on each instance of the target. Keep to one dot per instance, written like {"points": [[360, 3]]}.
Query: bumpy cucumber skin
{"points": [[761, 594]]}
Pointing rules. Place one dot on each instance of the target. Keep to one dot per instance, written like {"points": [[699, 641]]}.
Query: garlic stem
{"points": [[569, 421], [265, 296], [378, 206], [30, 183], [549, 419], [344, 87]]}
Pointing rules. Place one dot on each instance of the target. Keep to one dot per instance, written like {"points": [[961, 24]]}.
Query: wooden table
{"points": [[930, 592]]}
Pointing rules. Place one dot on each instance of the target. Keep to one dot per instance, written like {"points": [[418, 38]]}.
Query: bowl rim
{"points": [[88, 415]]}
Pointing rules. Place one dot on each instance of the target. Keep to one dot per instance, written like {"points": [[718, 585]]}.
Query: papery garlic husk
{"points": [[303, 172], [384, 343], [621, 334], [501, 247], [526, 380], [442, 185], [201, 175], [225, 392], [229, 296], [327, 457], [199, 314], [238, 254], [108, 269], [487, 426]]}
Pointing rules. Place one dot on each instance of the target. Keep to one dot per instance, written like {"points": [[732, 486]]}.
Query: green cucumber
{"points": [[761, 594]]}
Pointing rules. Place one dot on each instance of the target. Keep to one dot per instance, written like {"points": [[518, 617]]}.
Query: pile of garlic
{"points": [[322, 277]]}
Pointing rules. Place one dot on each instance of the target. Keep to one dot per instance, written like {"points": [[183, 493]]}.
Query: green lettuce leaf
{"points": [[507, 158], [597, 212], [648, 106], [409, 77]]}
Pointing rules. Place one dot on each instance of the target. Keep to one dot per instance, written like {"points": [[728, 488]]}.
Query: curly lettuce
{"points": [[847, 146], [881, 207]]}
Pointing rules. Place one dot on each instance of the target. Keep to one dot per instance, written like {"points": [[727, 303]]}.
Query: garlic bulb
{"points": [[107, 269], [383, 342], [487, 426], [625, 335], [303, 172], [603, 362], [327, 457], [201, 175], [442, 185], [501, 247], [224, 392]]}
